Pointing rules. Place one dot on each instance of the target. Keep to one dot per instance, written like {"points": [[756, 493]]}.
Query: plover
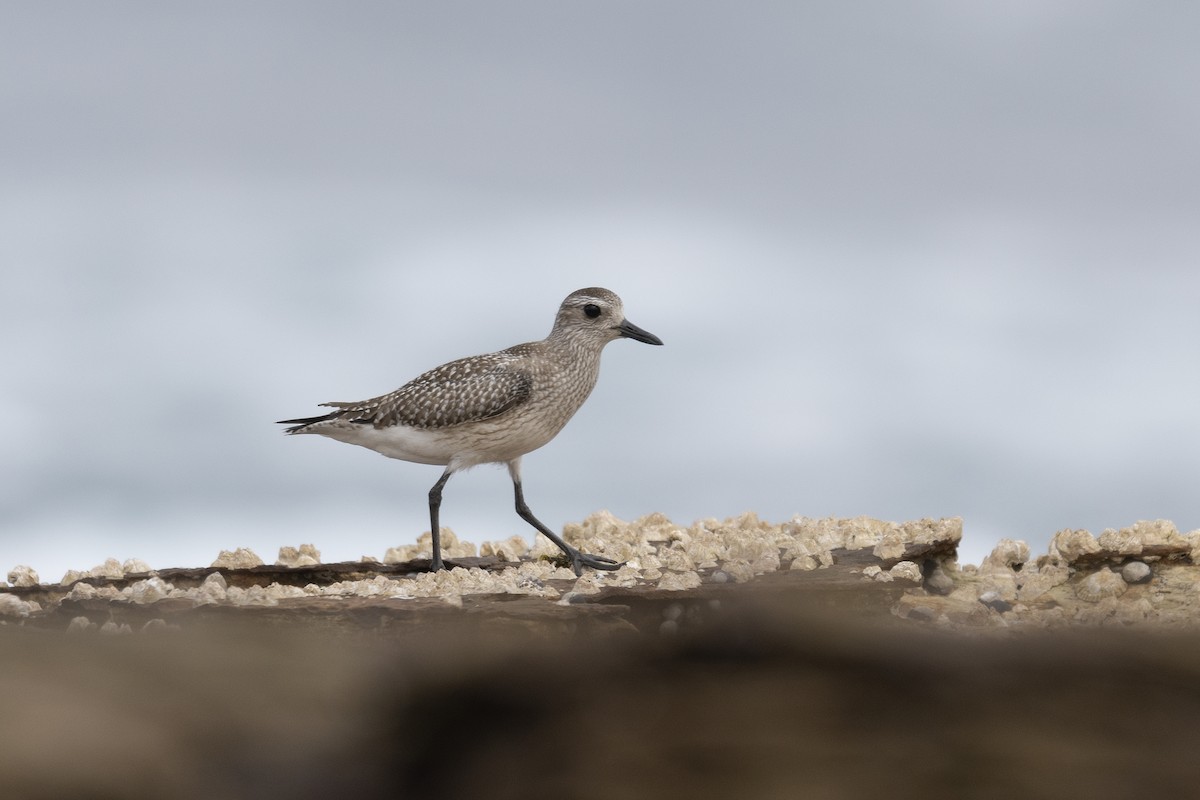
{"points": [[490, 409]]}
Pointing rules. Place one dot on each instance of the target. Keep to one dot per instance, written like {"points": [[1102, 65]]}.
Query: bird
{"points": [[490, 409]]}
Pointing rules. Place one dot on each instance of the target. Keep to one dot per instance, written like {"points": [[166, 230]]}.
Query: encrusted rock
{"points": [[939, 582], [994, 600], [963, 608], [1176, 588], [1159, 533], [805, 562], [13, 606], [1068, 545], [263, 595], [513, 548], [379, 586], [1080, 580], [86, 591], [22, 575], [1123, 542], [891, 545], [675, 581], [740, 571], [910, 607], [306, 555], [1002, 585], [1139, 610], [906, 570], [876, 573], [111, 569], [242, 558], [1147, 537], [150, 590], [71, 576], [135, 566], [928, 532], [1039, 580], [451, 548], [1008, 554], [1100, 585], [211, 590]]}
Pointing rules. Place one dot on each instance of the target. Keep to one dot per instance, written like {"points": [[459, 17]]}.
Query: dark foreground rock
{"points": [[802, 668]]}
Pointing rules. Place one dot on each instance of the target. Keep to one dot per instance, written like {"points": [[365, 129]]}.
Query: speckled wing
{"points": [[466, 390]]}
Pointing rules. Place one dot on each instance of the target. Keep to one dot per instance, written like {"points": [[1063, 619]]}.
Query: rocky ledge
{"points": [[816, 658], [1144, 573]]}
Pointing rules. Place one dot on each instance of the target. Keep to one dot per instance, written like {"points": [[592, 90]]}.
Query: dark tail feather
{"points": [[300, 424]]}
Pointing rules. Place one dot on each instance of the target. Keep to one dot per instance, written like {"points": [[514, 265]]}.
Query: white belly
{"points": [[459, 446]]}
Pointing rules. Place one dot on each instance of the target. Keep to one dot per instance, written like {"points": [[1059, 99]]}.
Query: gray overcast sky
{"points": [[908, 259]]}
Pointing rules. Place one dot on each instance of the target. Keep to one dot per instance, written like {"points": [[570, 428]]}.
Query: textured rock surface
{"points": [[659, 555], [727, 658], [1142, 574], [23, 576]]}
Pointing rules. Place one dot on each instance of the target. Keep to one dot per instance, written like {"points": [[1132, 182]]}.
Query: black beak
{"points": [[631, 331]]}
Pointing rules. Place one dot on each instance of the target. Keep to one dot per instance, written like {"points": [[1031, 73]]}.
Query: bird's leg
{"points": [[578, 560], [435, 502]]}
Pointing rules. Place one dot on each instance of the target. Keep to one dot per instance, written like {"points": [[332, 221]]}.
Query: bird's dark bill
{"points": [[629, 330]]}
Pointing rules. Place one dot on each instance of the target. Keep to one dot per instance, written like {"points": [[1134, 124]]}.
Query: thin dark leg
{"points": [[435, 502], [578, 560]]}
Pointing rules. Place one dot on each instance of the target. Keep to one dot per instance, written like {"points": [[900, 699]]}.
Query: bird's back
{"points": [[480, 409]]}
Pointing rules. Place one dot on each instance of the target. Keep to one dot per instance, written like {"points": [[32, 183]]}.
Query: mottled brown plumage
{"points": [[466, 390], [491, 408]]}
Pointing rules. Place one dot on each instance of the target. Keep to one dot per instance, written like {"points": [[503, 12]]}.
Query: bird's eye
{"points": [[592, 310]]}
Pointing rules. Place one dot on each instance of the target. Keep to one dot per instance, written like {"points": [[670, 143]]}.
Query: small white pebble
{"points": [[80, 624], [1136, 572]]}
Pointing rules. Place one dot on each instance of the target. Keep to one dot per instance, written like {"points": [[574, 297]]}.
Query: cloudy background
{"points": [[908, 259]]}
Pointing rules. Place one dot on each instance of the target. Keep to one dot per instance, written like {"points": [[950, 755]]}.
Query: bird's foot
{"points": [[436, 564], [580, 560]]}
